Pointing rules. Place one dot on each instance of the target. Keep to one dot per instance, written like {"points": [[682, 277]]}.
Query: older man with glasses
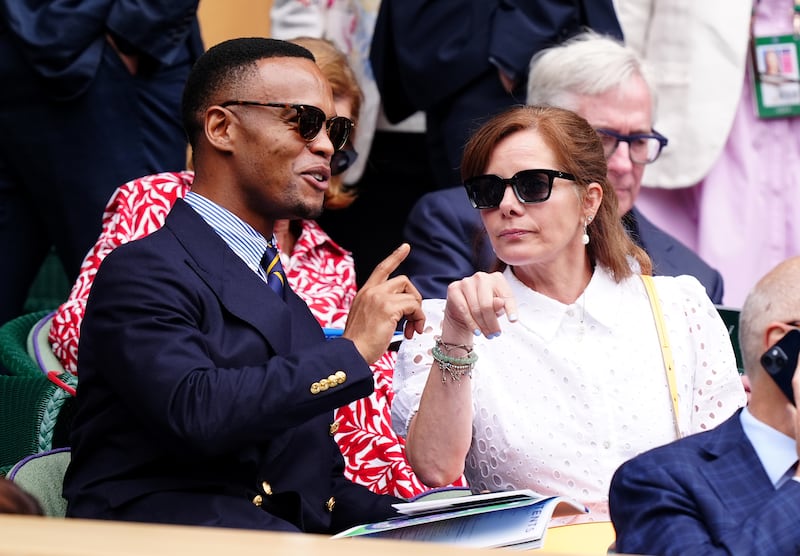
{"points": [[607, 84]]}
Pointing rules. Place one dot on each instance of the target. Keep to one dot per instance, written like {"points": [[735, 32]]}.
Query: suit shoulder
{"points": [[661, 243], [449, 197], [673, 258]]}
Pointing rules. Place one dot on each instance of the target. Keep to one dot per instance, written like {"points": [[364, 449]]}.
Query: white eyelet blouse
{"points": [[569, 392]]}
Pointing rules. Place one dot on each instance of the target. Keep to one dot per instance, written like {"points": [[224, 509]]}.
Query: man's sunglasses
{"points": [[342, 160], [530, 186], [309, 119]]}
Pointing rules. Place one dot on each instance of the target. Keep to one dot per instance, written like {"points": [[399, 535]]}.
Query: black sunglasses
{"points": [[310, 120], [342, 160], [530, 186]]}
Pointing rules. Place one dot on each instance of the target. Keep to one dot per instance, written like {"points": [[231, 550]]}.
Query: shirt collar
{"points": [[776, 451], [599, 303], [240, 236]]}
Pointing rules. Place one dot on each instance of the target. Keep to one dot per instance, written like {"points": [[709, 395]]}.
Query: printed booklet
{"points": [[507, 519]]}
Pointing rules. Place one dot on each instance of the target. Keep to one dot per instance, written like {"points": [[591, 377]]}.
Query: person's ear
{"points": [[219, 128], [774, 332], [592, 199]]}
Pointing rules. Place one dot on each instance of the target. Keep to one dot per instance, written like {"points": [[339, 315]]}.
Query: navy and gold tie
{"points": [[271, 262]]}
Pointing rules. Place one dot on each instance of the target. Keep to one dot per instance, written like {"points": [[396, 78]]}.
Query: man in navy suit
{"points": [[462, 62], [207, 392], [90, 99], [734, 489], [604, 82]]}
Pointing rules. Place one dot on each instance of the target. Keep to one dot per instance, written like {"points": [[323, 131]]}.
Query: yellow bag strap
{"points": [[666, 352]]}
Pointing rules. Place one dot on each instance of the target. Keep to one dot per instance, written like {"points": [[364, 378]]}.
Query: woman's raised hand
{"points": [[475, 305]]}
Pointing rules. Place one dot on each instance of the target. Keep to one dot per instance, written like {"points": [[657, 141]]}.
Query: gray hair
{"points": [[587, 64]]}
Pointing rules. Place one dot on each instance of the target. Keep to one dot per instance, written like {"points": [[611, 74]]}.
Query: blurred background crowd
{"points": [[723, 186]]}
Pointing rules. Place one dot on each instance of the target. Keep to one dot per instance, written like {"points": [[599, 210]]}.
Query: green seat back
{"points": [[730, 316], [34, 413], [42, 476]]}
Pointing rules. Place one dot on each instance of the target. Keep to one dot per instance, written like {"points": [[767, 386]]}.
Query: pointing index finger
{"points": [[388, 265]]}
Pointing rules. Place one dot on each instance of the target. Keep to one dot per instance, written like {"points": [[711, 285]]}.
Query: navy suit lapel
{"points": [[239, 289], [734, 471]]}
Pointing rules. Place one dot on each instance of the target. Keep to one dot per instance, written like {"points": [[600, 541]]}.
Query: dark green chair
{"points": [[35, 413], [14, 356], [730, 316]]}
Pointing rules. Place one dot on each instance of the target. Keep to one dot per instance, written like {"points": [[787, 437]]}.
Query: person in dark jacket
{"points": [[207, 387]]}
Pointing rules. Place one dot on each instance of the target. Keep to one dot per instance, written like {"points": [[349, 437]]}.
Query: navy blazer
{"points": [[671, 257], [448, 242], [195, 395], [704, 494]]}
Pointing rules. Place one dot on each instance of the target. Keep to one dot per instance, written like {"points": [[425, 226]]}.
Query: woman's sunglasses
{"points": [[309, 119], [530, 186], [342, 160]]}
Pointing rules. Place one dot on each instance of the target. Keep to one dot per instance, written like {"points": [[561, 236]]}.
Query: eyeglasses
{"points": [[643, 148], [530, 186], [310, 120], [342, 160]]}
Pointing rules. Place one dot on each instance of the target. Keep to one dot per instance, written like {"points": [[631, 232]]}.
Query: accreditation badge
{"points": [[776, 76]]}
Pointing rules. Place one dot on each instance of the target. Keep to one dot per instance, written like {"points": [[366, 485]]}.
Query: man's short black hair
{"points": [[224, 67]]}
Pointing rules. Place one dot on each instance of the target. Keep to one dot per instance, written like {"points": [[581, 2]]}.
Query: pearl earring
{"points": [[585, 238]]}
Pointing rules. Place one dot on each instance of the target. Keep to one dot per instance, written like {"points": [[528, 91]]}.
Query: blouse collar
{"points": [[599, 303]]}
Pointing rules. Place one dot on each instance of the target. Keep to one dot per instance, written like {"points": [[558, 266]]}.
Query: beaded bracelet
{"points": [[456, 367]]}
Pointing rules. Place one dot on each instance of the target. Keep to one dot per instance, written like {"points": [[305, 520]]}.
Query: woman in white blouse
{"points": [[549, 373]]}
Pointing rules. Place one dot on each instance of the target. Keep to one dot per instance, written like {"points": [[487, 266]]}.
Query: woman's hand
{"points": [[474, 306]]}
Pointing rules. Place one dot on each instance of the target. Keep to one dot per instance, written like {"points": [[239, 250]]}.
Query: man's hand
{"points": [[131, 61], [380, 304], [507, 82]]}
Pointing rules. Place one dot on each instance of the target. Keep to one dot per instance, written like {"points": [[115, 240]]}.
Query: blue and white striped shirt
{"points": [[240, 236]]}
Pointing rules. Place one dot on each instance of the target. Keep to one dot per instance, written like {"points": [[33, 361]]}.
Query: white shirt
{"points": [[776, 451], [569, 392]]}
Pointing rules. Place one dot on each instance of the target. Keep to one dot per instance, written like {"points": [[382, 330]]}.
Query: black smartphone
{"points": [[780, 361]]}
